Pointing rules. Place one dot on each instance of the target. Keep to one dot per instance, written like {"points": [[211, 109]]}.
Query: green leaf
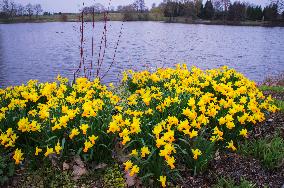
{"points": [[185, 141], [147, 175], [63, 143], [79, 151], [51, 138]]}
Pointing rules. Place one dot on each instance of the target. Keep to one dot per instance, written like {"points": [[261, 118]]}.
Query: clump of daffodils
{"points": [[46, 119], [162, 123], [178, 106]]}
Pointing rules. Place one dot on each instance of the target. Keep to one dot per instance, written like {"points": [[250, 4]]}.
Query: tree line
{"points": [[222, 10], [194, 9], [10, 9]]}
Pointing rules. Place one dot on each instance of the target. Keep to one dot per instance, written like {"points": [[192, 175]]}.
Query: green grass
{"points": [[269, 151], [279, 104], [229, 183], [271, 88]]}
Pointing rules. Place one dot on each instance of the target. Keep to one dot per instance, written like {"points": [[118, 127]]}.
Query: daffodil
{"points": [[74, 132], [144, 151], [231, 146], [134, 170], [93, 139], [196, 153], [84, 128], [88, 145], [58, 148], [18, 156], [38, 150], [244, 133], [163, 180], [49, 151], [134, 152], [128, 165]]}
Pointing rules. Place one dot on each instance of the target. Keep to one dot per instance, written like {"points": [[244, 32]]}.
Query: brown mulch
{"points": [[275, 94], [239, 167], [273, 125], [236, 167]]}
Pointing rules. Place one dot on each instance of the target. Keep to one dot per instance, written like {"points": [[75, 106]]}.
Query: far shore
{"points": [[149, 17]]}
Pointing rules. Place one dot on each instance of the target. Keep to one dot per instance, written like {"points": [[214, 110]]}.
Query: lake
{"points": [[44, 50]]}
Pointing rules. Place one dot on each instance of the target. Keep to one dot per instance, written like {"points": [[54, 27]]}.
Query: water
{"points": [[44, 50]]}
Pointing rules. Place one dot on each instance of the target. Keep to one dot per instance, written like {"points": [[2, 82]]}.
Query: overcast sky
{"points": [[75, 5]]}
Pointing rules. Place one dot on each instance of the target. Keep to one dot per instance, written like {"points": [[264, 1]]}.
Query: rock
{"points": [[78, 161], [78, 171], [100, 166], [130, 180], [65, 166]]}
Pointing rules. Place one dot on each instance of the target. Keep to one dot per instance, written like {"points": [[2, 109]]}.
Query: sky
{"points": [[75, 5]]}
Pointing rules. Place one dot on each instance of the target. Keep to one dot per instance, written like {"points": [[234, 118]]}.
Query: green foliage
{"points": [[271, 88], [279, 104], [254, 12], [113, 178], [229, 183], [270, 12], [269, 151], [200, 165], [237, 11], [208, 11], [7, 170]]}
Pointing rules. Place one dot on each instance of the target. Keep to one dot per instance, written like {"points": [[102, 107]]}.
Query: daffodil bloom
{"points": [[58, 148], [49, 151], [18, 156], [231, 145], [193, 134], [244, 133], [88, 145], [74, 133], [128, 164], [170, 161], [38, 150], [84, 128], [196, 153], [134, 170], [144, 151], [163, 180], [93, 139], [125, 140], [134, 152]]}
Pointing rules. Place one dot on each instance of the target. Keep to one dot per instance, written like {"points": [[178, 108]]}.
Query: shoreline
{"points": [[153, 18]]}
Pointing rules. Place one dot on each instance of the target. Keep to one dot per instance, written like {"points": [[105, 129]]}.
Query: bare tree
{"points": [[37, 9], [12, 10], [140, 5], [20, 10], [279, 3], [5, 7], [30, 10], [97, 8], [218, 5], [225, 4]]}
